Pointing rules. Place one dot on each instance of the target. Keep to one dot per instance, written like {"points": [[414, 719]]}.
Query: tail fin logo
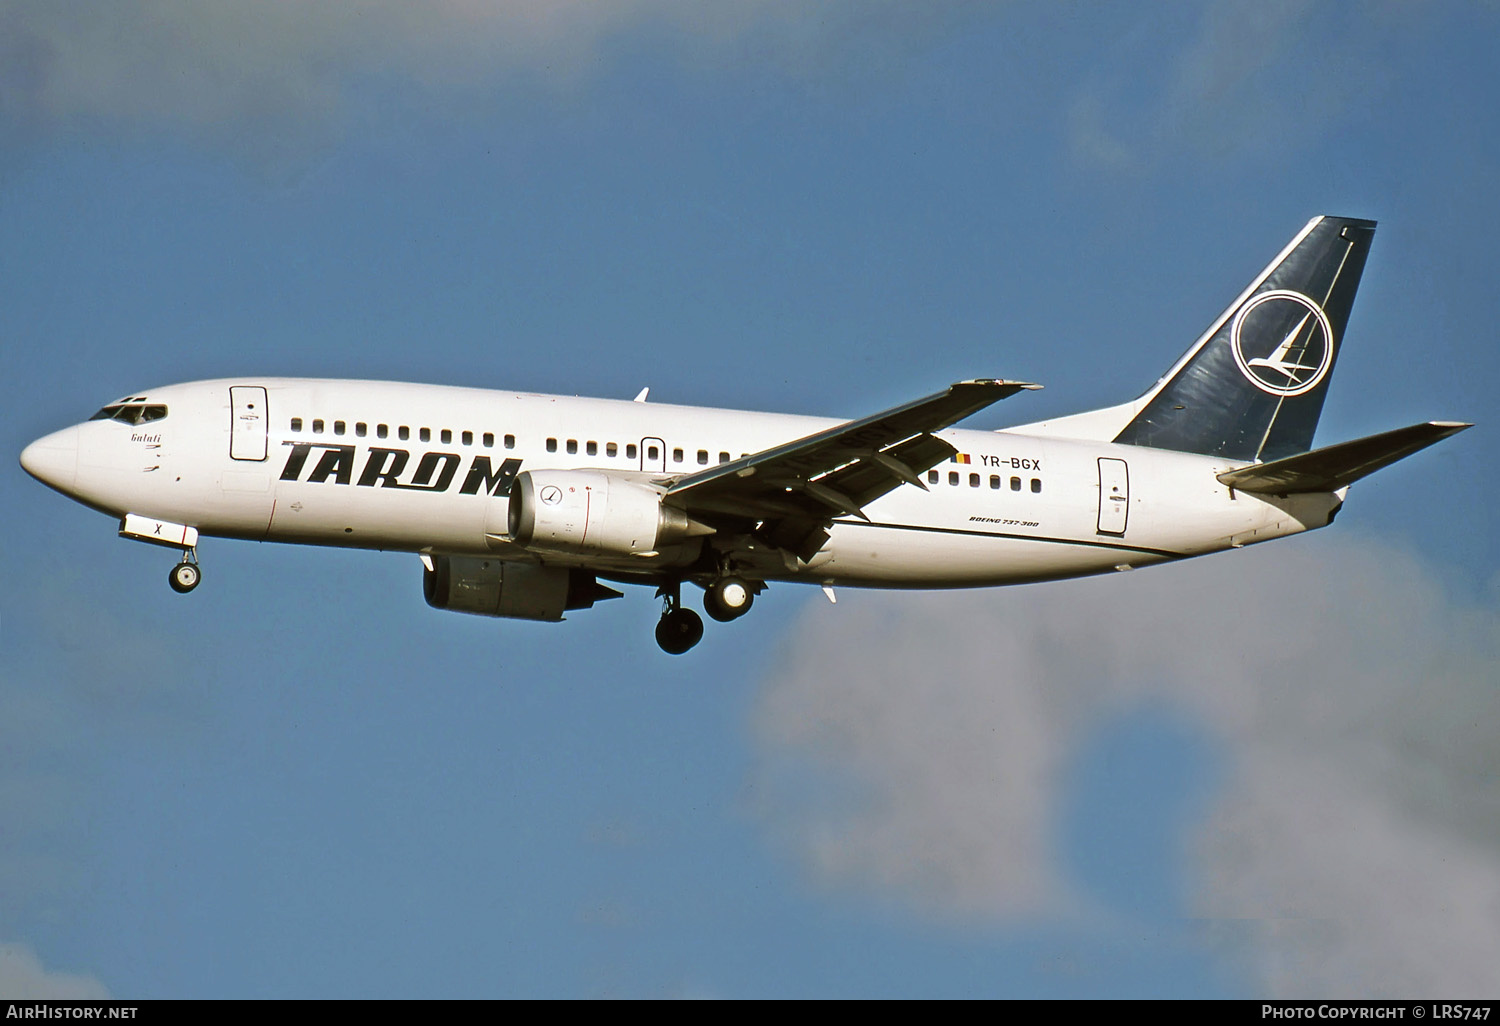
{"points": [[1282, 342]]}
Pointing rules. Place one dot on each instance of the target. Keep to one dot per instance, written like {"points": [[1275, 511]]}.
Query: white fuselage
{"points": [[413, 467]]}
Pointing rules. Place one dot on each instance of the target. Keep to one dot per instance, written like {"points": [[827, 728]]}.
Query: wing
{"points": [[790, 492]]}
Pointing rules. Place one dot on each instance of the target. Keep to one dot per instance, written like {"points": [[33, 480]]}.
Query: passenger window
{"points": [[702, 457], [359, 428], [652, 453], [446, 436], [676, 455], [404, 432], [382, 430], [592, 448], [468, 438], [630, 451], [973, 480], [932, 477], [489, 439], [510, 441], [994, 480], [953, 477], [1036, 485], [317, 427], [572, 447], [338, 427], [424, 434], [551, 445], [296, 423], [1015, 484], [723, 457], [611, 449]]}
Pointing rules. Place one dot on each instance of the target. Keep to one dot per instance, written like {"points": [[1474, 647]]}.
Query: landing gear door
{"points": [[653, 456], [1114, 496], [247, 423]]}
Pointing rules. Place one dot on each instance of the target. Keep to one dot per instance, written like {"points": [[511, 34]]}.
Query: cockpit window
{"points": [[131, 413]]}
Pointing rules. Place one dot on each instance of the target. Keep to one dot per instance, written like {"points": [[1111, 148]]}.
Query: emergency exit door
{"points": [[653, 455]]}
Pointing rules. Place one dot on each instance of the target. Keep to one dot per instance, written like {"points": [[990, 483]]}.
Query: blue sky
{"points": [[302, 781]]}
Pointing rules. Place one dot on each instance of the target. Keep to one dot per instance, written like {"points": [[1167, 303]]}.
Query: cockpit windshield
{"points": [[131, 413]]}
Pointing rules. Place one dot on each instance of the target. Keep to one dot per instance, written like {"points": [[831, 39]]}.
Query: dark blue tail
{"points": [[1253, 386]]}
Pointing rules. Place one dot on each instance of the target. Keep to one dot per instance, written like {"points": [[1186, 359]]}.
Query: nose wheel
{"points": [[185, 575]]}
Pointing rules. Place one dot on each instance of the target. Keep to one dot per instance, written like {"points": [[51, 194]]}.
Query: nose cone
{"points": [[53, 460]]}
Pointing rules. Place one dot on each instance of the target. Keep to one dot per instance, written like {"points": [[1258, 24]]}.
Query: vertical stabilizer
{"points": [[1253, 386]]}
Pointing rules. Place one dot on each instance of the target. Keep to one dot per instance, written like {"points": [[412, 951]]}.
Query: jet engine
{"points": [[522, 591], [591, 511]]}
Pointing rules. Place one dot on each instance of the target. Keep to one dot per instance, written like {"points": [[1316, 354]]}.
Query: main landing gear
{"points": [[679, 628], [185, 575], [728, 598]]}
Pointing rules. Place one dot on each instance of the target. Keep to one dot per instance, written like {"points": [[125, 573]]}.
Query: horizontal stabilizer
{"points": [[1333, 467]]}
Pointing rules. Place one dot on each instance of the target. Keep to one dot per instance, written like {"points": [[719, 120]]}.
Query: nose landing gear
{"points": [[185, 575]]}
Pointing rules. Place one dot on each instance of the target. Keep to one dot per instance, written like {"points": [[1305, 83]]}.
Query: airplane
{"points": [[519, 505]]}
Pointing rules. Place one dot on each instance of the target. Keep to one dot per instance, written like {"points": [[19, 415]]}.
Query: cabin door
{"points": [[247, 422], [1114, 496]]}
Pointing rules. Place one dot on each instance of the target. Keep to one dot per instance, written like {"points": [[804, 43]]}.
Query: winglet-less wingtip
{"points": [[1004, 382]]}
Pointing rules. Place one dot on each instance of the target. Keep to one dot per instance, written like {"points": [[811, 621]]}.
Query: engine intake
{"points": [[594, 512], [522, 591]]}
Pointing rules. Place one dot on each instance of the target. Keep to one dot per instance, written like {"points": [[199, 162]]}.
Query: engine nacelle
{"points": [[523, 591], [594, 511]]}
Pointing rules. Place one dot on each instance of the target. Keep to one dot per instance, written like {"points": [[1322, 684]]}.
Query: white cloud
{"points": [[204, 62], [1341, 891], [89, 678], [1354, 848], [179, 61], [922, 745], [278, 85], [24, 978], [1254, 78]]}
